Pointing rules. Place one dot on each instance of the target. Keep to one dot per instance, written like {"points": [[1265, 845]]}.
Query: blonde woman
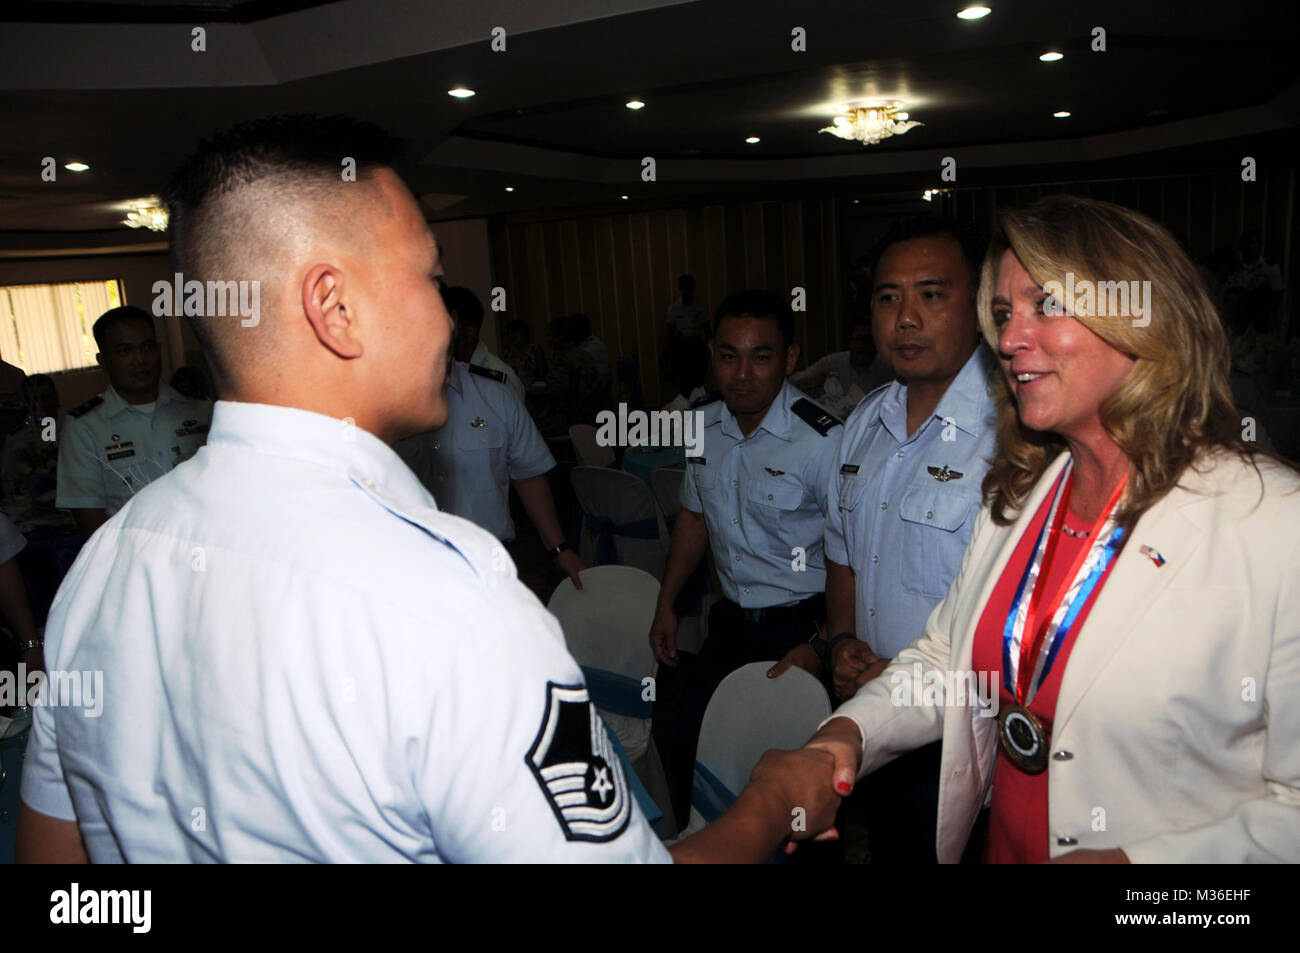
{"points": [[1115, 671]]}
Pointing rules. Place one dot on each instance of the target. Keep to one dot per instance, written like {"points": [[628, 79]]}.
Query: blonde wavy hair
{"points": [[1174, 406]]}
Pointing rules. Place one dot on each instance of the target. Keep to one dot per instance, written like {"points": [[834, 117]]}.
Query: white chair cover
{"points": [[628, 505], [606, 627]]}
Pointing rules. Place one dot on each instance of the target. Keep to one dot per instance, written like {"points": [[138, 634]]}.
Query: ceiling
{"points": [[121, 86]]}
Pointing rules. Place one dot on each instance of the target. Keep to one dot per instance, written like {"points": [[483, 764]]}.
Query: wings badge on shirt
{"points": [[578, 769]]}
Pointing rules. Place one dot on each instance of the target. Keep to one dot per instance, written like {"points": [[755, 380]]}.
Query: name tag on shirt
{"points": [[849, 468]]}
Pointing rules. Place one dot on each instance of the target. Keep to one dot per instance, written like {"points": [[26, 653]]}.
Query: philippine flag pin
{"points": [[1152, 554]]}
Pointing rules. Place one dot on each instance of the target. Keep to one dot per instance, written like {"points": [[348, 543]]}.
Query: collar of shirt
{"points": [[776, 421], [456, 375], [481, 355], [114, 404], [966, 401], [328, 442]]}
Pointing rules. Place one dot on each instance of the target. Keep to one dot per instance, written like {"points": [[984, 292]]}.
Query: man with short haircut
{"points": [[906, 489], [756, 497], [488, 445], [304, 660], [120, 441], [467, 313]]}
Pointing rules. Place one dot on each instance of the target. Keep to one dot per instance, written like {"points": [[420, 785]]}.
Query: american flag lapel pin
{"points": [[1153, 554]]}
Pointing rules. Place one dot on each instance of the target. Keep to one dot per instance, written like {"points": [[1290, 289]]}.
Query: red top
{"points": [[1018, 832]]}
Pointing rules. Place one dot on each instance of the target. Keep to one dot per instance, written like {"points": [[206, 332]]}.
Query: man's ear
{"points": [[791, 359], [322, 305]]}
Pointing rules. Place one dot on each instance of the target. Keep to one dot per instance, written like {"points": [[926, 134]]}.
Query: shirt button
{"points": [[1067, 841], [884, 506], [737, 557], [899, 454], [769, 496], [871, 612], [735, 483], [747, 590], [734, 521], [929, 514], [369, 483], [1062, 755], [874, 560]]}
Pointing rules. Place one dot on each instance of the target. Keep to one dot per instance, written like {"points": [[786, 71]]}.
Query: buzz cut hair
{"points": [[290, 166]]}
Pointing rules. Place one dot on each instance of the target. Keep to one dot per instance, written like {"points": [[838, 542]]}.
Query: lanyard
{"points": [[1048, 620]]}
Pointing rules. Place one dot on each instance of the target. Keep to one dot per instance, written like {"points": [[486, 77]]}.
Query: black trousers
{"points": [[902, 808], [735, 639]]}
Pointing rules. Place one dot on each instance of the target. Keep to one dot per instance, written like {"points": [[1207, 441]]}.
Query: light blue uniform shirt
{"points": [[902, 521], [303, 660], [109, 450], [763, 496], [488, 440]]}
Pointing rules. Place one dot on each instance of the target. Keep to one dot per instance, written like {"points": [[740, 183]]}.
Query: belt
{"points": [[812, 608]]}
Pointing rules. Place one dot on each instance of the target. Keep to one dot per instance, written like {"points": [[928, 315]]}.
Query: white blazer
{"points": [[1177, 728]]}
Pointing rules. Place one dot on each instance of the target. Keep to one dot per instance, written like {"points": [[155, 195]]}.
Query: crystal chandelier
{"points": [[871, 123], [151, 217]]}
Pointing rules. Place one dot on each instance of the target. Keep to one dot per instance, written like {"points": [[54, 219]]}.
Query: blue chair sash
{"points": [[617, 694], [710, 796], [606, 529]]}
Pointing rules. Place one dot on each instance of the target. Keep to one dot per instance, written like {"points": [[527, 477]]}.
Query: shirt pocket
{"points": [[852, 487], [772, 502], [486, 452], [937, 521]]}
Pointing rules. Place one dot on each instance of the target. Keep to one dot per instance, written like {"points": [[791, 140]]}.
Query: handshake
{"points": [[791, 796]]}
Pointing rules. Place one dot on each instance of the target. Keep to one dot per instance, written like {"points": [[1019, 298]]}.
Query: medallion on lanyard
{"points": [[1038, 624]]}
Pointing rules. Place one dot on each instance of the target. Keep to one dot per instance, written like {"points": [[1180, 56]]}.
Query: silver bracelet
{"points": [[33, 644]]}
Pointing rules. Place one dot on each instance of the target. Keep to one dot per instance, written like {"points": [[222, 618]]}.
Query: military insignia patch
{"points": [[850, 468], [478, 422], [943, 475], [774, 472], [578, 770]]}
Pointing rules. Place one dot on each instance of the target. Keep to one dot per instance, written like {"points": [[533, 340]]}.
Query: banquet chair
{"points": [[748, 714], [606, 625], [621, 521], [588, 452]]}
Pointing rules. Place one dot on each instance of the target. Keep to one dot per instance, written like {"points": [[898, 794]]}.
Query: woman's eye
{"points": [[1001, 317]]}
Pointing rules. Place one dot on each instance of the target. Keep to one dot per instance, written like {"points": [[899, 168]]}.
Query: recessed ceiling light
{"points": [[752, 139], [460, 92], [974, 13], [510, 188], [634, 104], [1061, 114], [623, 196], [1051, 56], [77, 167]]}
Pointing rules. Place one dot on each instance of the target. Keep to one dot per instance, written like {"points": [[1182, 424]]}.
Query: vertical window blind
{"points": [[46, 328]]}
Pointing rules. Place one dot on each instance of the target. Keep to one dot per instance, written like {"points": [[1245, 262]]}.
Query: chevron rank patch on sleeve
{"points": [[579, 772]]}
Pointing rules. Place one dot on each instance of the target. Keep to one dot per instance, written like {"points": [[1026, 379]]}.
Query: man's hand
{"points": [[804, 656], [1084, 856], [867, 674], [801, 781], [663, 635], [850, 659], [571, 564]]}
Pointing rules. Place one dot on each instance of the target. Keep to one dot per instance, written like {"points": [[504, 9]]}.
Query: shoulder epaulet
{"points": [[820, 420], [705, 400], [87, 407], [489, 373]]}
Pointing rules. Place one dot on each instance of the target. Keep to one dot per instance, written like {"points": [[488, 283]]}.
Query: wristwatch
{"points": [[559, 547]]}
